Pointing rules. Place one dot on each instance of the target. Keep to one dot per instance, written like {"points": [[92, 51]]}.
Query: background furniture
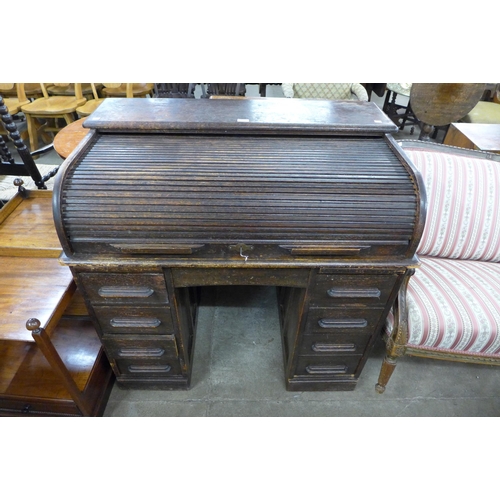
{"points": [[32, 91], [226, 89], [128, 89], [174, 90], [401, 114], [51, 108], [450, 308], [486, 111], [92, 104], [439, 104], [334, 91], [322, 206], [481, 136], [52, 360], [27, 166], [69, 137]]}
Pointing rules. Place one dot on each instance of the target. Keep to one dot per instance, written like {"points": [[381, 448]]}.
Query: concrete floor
{"points": [[238, 371], [238, 368]]}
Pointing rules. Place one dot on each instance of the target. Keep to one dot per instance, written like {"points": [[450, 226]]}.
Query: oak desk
{"points": [[168, 195]]}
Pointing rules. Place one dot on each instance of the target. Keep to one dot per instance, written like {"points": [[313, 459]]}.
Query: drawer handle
{"points": [[140, 292], [325, 250], [342, 323], [149, 369], [156, 248], [324, 347], [132, 352], [353, 292], [135, 322], [326, 370]]}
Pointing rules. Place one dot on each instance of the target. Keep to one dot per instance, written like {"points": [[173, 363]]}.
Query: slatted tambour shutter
{"points": [[212, 189]]}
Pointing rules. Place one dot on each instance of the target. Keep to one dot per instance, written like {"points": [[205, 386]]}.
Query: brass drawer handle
{"points": [[149, 369], [324, 347], [353, 292], [139, 292], [135, 322], [133, 352], [342, 323], [326, 370]]}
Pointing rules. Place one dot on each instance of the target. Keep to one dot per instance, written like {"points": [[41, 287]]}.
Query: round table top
{"points": [[69, 137], [443, 103]]}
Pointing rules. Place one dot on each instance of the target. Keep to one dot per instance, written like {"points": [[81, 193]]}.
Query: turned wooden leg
{"points": [[388, 366], [426, 132], [32, 132]]}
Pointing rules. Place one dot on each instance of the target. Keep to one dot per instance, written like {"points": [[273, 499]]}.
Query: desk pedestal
{"points": [[329, 318]]}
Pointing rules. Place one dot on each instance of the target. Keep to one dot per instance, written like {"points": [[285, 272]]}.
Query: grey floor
{"points": [[238, 369]]}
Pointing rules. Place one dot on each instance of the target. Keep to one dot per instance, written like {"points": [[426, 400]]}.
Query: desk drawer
{"points": [[147, 368], [342, 321], [138, 347], [114, 288], [330, 290], [327, 366], [134, 320], [328, 344]]}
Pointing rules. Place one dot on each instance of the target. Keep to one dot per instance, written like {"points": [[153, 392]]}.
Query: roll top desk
{"points": [[312, 197]]}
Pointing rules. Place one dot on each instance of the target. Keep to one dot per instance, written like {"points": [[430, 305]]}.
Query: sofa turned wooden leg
{"points": [[388, 366]]}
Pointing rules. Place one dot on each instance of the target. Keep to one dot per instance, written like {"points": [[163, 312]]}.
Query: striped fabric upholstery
{"points": [[463, 212], [454, 297], [454, 306]]}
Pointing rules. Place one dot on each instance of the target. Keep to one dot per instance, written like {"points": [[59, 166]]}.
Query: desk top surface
{"points": [[247, 116]]}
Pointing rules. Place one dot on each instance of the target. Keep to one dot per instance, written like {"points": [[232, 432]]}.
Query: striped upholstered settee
{"points": [[450, 308]]}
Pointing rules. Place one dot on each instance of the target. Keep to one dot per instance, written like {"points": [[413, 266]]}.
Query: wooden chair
{"points": [[69, 90], [32, 91], [450, 308], [92, 104], [225, 89], [27, 166], [124, 89], [51, 108], [14, 103], [174, 90]]}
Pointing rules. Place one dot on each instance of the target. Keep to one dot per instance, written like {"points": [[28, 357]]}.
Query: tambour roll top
{"points": [[268, 180]]}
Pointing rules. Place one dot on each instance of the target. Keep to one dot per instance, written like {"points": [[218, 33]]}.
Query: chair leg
{"points": [[388, 366], [69, 118], [32, 132], [398, 337]]}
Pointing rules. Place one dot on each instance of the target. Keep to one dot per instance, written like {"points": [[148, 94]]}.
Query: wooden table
{"points": [[69, 137], [480, 136], [56, 366]]}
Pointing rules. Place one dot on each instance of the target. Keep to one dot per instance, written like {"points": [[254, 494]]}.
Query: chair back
{"points": [[463, 206], [77, 89], [129, 88], [8, 165], [332, 91]]}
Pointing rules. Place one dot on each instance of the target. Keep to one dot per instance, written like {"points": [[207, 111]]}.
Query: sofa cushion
{"points": [[463, 206], [454, 306]]}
